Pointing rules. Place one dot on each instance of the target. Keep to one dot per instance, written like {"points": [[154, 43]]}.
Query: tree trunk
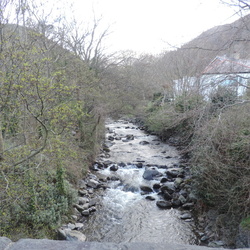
{"points": [[1, 142]]}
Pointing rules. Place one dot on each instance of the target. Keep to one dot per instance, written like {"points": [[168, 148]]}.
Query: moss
{"points": [[246, 223]]}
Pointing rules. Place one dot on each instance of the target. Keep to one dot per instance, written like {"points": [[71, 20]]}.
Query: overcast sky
{"points": [[147, 26]]}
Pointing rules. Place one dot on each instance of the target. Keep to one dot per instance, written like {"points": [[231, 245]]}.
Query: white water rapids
{"points": [[125, 215]]}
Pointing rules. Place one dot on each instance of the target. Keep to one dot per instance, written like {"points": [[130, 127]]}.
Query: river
{"points": [[125, 214]]}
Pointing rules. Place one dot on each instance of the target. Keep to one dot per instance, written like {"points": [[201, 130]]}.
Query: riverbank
{"points": [[217, 226]]}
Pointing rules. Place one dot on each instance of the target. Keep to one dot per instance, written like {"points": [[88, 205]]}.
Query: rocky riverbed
{"points": [[138, 190]]}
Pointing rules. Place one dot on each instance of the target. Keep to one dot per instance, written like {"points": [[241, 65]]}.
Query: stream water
{"points": [[125, 215]]}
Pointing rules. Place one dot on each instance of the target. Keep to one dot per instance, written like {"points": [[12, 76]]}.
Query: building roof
{"points": [[225, 65]]}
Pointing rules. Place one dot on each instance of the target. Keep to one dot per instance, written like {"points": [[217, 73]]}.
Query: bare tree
{"points": [[87, 43]]}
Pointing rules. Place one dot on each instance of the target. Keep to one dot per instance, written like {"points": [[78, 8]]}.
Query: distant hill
{"points": [[230, 40]]}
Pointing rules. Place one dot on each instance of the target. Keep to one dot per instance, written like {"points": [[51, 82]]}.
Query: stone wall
{"points": [[32, 244]]}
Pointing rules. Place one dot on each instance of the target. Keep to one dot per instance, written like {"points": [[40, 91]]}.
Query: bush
{"points": [[175, 118], [36, 200], [220, 159]]}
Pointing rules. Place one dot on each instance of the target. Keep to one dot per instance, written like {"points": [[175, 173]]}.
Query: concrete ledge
{"points": [[32, 244]]}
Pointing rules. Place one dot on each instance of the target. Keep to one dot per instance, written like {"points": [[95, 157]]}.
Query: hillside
{"points": [[232, 40]]}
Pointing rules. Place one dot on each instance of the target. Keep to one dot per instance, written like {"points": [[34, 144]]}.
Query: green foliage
{"points": [[222, 97], [246, 223], [175, 117], [37, 200], [50, 130], [185, 102]]}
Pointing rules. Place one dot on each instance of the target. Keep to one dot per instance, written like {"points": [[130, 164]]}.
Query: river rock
{"points": [[90, 191], [79, 225], [131, 188], [106, 148], [122, 164], [93, 202], [82, 192], [216, 243], [188, 205], [75, 236], [74, 217], [164, 179], [156, 186], [182, 199], [111, 138], [82, 184], [151, 173], [92, 209], [143, 142], [114, 168], [125, 140], [176, 203], [204, 238], [177, 172], [82, 200], [168, 187], [76, 212], [71, 226], [139, 164], [85, 206], [130, 137], [164, 204], [150, 197], [186, 216], [166, 195], [62, 233], [79, 208], [146, 189], [86, 212], [178, 182], [107, 163], [95, 167], [101, 177], [184, 193], [93, 183], [113, 178]]}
